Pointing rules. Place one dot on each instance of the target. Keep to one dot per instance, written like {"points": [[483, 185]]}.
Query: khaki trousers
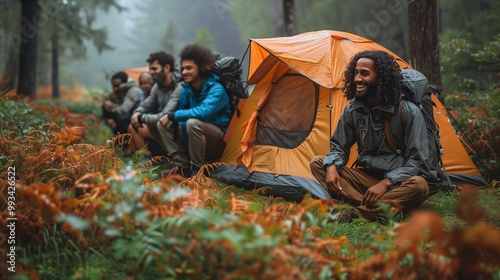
{"points": [[205, 143], [409, 195]]}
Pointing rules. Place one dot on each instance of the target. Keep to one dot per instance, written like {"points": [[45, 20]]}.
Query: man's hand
{"points": [[333, 180], [164, 120], [108, 106], [375, 192], [134, 120]]}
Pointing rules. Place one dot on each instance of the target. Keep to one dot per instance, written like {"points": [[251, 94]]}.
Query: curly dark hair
{"points": [[163, 59], [388, 76], [120, 75], [202, 56]]}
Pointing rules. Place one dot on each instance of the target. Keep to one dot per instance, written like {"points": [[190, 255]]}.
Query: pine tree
{"points": [[168, 41], [204, 38]]}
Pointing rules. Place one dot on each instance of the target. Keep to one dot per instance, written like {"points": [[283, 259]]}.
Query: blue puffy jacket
{"points": [[212, 106]]}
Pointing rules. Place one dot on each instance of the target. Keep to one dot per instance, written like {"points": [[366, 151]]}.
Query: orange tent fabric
{"points": [[320, 57], [134, 73]]}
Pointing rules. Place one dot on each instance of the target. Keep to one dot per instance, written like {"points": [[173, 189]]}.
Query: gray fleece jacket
{"points": [[161, 101], [132, 95]]}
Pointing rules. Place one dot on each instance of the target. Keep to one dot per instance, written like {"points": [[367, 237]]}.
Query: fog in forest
{"points": [[225, 26], [137, 31], [139, 28]]}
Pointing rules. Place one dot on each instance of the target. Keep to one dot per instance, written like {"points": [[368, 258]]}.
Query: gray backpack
{"points": [[415, 88]]}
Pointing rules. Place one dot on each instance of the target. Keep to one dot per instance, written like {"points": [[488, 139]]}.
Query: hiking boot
{"points": [[194, 170]]}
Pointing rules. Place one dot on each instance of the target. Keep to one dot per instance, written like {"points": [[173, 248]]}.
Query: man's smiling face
{"points": [[365, 77]]}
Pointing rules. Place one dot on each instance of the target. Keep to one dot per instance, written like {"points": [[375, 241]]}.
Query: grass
{"points": [[58, 257], [445, 203]]}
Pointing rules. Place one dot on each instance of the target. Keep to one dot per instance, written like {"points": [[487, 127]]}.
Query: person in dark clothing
{"points": [[118, 107], [380, 175]]}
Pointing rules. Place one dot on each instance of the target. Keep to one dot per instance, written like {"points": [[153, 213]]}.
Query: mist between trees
{"points": [[96, 39]]}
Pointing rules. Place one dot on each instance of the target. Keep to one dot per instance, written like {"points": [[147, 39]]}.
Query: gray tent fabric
{"points": [[285, 186], [466, 180]]}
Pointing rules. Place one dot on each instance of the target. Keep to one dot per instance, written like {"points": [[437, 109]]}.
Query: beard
{"points": [[369, 94], [160, 77]]}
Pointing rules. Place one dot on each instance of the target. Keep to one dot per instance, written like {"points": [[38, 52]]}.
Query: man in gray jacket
{"points": [[119, 105], [163, 99], [372, 82]]}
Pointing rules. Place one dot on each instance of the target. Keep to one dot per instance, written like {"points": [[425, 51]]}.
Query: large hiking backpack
{"points": [[415, 88], [176, 74], [229, 70]]}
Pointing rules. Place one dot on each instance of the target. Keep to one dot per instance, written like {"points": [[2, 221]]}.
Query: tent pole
{"points": [[330, 106], [241, 63], [244, 54]]}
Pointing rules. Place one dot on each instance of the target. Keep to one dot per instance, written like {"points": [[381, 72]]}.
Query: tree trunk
{"points": [[30, 12], [277, 8], [424, 44], [9, 72], [55, 64], [289, 17]]}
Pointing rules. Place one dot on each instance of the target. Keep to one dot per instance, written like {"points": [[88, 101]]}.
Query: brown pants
{"points": [[409, 195]]}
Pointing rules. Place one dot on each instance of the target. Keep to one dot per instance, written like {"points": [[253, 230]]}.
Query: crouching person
{"points": [[118, 107], [163, 99], [193, 135]]}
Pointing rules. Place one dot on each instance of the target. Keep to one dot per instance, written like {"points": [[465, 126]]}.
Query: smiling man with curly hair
{"points": [[194, 133], [380, 175]]}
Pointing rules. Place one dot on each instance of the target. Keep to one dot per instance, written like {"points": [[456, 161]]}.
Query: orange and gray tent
{"points": [[293, 110]]}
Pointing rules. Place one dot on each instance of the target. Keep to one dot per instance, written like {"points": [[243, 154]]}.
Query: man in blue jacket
{"points": [[193, 135]]}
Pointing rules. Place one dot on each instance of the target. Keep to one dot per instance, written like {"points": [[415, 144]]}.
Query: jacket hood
{"points": [[126, 86]]}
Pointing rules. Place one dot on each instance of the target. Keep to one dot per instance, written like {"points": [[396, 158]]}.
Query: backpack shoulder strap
{"points": [[388, 135], [387, 126], [401, 112]]}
